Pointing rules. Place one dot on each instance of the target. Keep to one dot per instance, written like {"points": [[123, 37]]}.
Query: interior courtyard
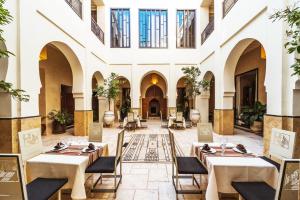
{"points": [[111, 99]]}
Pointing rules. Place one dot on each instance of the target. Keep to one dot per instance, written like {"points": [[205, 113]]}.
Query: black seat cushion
{"points": [[125, 144], [102, 165], [277, 165], [44, 188], [254, 190], [190, 165]]}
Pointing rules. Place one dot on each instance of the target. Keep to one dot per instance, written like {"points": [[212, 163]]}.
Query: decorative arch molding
{"points": [[158, 73], [232, 59], [75, 64], [99, 77], [165, 83]]}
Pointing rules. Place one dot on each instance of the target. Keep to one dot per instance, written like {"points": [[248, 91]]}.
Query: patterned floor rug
{"points": [[149, 148]]}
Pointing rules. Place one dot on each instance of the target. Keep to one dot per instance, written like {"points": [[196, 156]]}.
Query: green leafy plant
{"points": [[291, 15], [110, 89], [194, 86], [17, 94], [61, 117], [256, 113], [6, 18]]}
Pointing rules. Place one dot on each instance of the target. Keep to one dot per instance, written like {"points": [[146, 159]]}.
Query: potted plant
{"points": [[194, 87], [60, 120], [253, 117], [109, 90]]}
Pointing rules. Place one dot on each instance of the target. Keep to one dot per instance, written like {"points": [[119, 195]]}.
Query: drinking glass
{"points": [[223, 145]]}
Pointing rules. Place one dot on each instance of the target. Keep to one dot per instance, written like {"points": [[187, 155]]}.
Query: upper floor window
{"points": [[185, 28], [153, 28], [120, 28]]}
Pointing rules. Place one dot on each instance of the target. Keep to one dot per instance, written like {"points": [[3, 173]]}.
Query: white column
{"points": [[202, 104]]}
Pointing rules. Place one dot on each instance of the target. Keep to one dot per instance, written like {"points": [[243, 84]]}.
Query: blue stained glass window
{"points": [[120, 28], [185, 27], [153, 28]]}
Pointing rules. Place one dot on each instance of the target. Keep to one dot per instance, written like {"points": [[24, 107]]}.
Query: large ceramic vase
{"points": [[109, 117], [194, 116]]}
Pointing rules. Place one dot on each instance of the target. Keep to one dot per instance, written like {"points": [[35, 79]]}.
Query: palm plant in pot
{"points": [[254, 116], [110, 90], [194, 87], [60, 120]]}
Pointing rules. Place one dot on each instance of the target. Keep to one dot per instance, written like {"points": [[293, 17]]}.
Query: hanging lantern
{"points": [[262, 53], [154, 79], [43, 54]]}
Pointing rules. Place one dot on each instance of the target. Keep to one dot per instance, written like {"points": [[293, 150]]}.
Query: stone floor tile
{"points": [[145, 194]]}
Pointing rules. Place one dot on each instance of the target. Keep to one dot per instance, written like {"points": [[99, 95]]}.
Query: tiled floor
{"points": [[151, 181]]}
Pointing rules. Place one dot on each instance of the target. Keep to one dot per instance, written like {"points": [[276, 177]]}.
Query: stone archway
{"points": [[153, 86], [123, 101], [207, 99], [183, 103], [61, 79], [244, 78], [97, 80]]}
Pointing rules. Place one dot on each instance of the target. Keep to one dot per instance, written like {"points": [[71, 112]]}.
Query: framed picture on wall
{"points": [[289, 182], [11, 182]]}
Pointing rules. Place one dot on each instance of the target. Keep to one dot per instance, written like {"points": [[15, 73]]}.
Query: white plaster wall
{"points": [[37, 23]]}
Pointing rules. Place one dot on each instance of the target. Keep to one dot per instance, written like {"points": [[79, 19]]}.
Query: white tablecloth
{"points": [[223, 170], [60, 166]]}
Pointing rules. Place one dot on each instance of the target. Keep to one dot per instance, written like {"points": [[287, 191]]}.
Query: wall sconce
{"points": [[43, 54], [154, 79]]}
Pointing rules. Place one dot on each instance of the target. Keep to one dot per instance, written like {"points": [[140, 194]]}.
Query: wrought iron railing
{"points": [[227, 6], [76, 6], [97, 30], [207, 31]]}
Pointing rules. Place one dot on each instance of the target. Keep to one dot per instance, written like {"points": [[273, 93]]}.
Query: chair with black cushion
{"points": [[179, 121], [164, 122], [186, 167], [13, 187], [108, 166], [288, 178], [254, 190]]}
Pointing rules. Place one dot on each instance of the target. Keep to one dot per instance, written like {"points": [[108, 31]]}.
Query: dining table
{"points": [[231, 165], [68, 163]]}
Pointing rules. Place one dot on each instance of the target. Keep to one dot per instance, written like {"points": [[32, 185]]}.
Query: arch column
{"points": [[224, 117], [82, 117]]}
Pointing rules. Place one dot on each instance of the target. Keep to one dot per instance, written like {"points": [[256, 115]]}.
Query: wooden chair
{"points": [[164, 122], [108, 165], [30, 143], [179, 120], [282, 146], [95, 132], [12, 183], [131, 123], [288, 179], [185, 166], [205, 132]]}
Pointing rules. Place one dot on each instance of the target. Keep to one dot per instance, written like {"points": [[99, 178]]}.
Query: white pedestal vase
{"points": [[194, 116], [109, 117]]}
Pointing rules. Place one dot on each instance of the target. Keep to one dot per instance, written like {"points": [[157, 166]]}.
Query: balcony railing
{"points": [[207, 31], [97, 30], [227, 6], [76, 6]]}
